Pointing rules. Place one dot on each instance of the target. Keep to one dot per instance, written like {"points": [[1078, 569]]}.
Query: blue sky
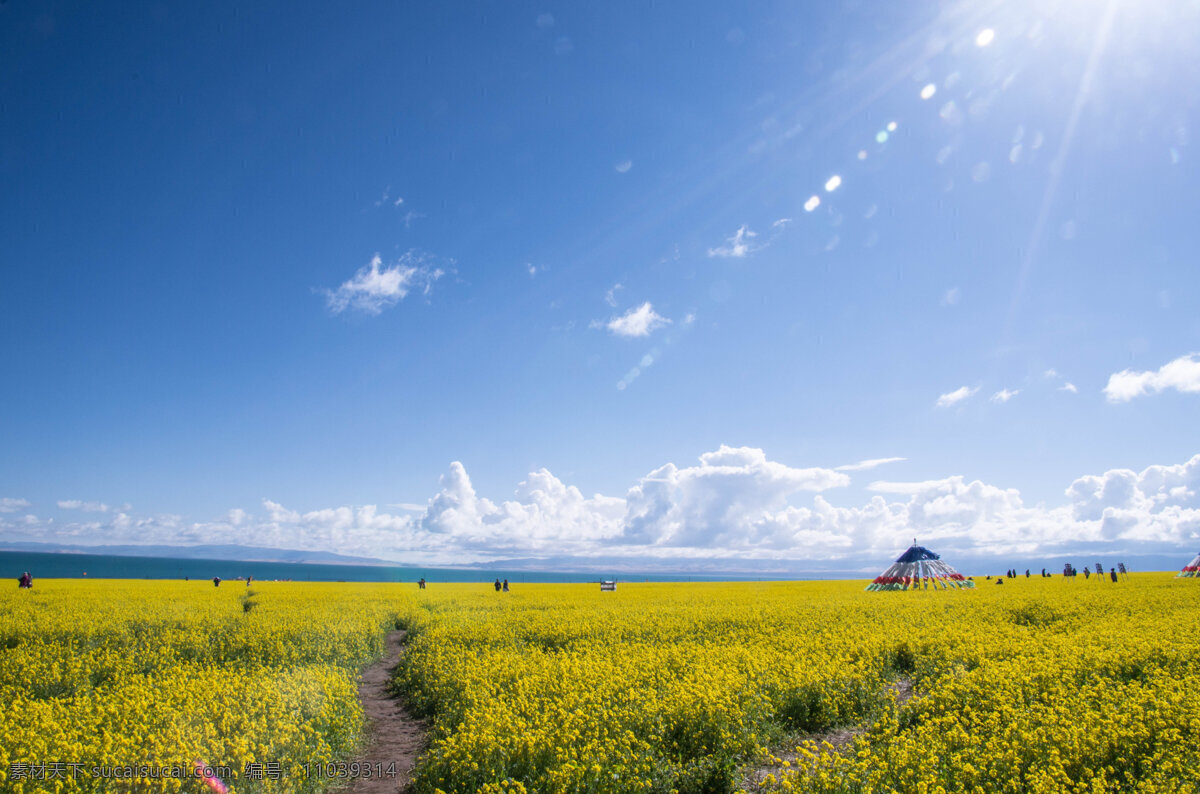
{"points": [[493, 280]]}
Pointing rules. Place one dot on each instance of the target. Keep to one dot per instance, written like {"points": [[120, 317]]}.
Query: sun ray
{"points": [[1057, 165]]}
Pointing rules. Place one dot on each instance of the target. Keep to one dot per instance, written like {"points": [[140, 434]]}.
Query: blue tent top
{"points": [[916, 553]]}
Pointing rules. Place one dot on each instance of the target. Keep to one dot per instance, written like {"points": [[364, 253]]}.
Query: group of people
{"points": [[1068, 571], [217, 580], [1012, 573], [26, 580], [501, 586]]}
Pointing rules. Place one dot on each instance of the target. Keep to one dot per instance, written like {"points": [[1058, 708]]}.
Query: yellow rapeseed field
{"points": [[109, 685], [1036, 685]]}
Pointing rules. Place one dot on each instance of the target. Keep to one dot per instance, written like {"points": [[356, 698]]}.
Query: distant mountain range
{"points": [[208, 552]]}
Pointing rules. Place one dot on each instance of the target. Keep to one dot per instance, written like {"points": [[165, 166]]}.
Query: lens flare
{"points": [[206, 775]]}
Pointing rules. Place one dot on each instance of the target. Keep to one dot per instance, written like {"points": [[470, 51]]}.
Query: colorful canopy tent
{"points": [[919, 568], [1192, 568]]}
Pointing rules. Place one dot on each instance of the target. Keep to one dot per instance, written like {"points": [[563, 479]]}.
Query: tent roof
{"points": [[916, 553]]}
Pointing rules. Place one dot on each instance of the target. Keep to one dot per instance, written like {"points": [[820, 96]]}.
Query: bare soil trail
{"points": [[393, 735]]}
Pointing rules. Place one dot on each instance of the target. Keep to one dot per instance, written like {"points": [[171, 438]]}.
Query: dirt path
{"points": [[393, 734]]}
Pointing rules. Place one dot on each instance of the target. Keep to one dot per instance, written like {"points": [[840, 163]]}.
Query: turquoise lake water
{"points": [[94, 566]]}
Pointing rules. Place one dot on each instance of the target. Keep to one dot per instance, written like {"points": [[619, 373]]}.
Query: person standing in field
{"points": [[1113, 573], [497, 585], [506, 584], [216, 581]]}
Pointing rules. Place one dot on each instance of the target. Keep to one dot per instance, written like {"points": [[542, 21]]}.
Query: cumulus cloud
{"points": [[956, 396], [1156, 504], [872, 463], [729, 500], [1004, 395], [638, 321], [10, 505], [374, 287], [740, 244], [733, 503], [1069, 388], [87, 507], [1182, 374], [546, 514]]}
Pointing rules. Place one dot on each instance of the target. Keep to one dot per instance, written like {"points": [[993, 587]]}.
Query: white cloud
{"points": [[864, 465], [1157, 504], [387, 199], [951, 297], [739, 244], [1067, 386], [546, 514], [781, 223], [1182, 374], [623, 166], [11, 505], [638, 321], [733, 504], [531, 269], [906, 488], [726, 501], [610, 297], [86, 507], [375, 288], [1004, 395], [956, 396]]}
